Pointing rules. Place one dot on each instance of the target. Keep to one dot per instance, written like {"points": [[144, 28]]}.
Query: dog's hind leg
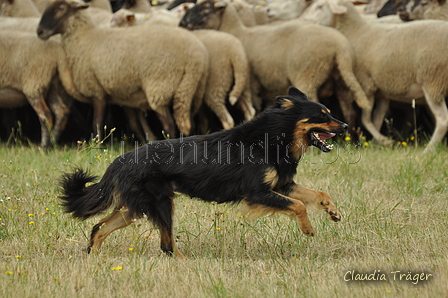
{"points": [[117, 220], [162, 216], [314, 199]]}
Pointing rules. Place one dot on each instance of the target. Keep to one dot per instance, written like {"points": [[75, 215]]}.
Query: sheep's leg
{"points": [[381, 108], [149, 135], [131, 114], [164, 115], [368, 124], [245, 104], [99, 107], [45, 118], [60, 109], [346, 103], [216, 104], [437, 105]]}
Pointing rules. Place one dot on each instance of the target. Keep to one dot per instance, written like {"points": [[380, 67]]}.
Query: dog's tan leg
{"points": [[167, 243], [117, 220], [314, 199], [296, 209]]}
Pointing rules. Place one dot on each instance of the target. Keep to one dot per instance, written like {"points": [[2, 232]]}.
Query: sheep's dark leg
{"points": [[60, 109], [45, 118], [99, 107], [167, 122]]}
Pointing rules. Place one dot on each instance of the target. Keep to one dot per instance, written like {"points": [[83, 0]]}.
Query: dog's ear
{"points": [[283, 102], [293, 91]]}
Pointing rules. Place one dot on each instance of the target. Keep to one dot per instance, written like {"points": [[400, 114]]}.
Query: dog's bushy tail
{"points": [[85, 201]]}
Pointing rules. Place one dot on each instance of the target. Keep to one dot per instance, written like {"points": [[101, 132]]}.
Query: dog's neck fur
{"points": [[281, 147]]}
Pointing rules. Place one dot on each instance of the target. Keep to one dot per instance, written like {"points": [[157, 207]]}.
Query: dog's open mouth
{"points": [[319, 139]]}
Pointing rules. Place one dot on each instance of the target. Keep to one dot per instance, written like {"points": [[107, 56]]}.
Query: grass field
{"points": [[393, 203]]}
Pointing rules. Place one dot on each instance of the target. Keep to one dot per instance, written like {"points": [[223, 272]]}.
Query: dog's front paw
{"points": [[308, 231], [334, 216], [333, 213]]}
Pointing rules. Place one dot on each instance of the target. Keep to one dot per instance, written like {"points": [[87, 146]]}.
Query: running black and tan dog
{"points": [[253, 163]]}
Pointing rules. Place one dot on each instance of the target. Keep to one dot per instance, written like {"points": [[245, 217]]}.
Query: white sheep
{"points": [[32, 69], [286, 9], [152, 67], [18, 8], [396, 62], [228, 67], [293, 53], [127, 18], [251, 14], [19, 23]]}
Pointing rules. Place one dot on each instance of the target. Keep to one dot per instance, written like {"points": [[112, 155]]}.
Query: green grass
{"points": [[393, 203]]}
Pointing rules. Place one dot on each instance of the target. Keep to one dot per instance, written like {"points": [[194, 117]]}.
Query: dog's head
{"points": [[313, 121]]}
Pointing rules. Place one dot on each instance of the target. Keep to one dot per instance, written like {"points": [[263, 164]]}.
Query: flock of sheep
{"points": [[240, 53]]}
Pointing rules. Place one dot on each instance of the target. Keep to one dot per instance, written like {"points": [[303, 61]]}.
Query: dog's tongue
{"points": [[323, 135]]}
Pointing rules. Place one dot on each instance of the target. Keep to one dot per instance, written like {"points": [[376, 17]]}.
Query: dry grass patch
{"points": [[394, 218]]}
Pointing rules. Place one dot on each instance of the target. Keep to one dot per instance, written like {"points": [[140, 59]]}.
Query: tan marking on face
{"points": [[301, 142], [271, 177]]}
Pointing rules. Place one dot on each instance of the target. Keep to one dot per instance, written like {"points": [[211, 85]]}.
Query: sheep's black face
{"points": [[54, 18], [206, 15]]}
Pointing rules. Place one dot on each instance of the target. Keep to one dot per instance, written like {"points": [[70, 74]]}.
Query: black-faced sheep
{"points": [[290, 54], [411, 10], [152, 67]]}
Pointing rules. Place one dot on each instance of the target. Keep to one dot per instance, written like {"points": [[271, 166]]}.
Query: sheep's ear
{"points": [[78, 6], [130, 18], [296, 93], [441, 2], [336, 7], [220, 7], [220, 4]]}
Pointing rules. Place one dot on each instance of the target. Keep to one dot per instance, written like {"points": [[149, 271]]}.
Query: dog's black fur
{"points": [[254, 162]]}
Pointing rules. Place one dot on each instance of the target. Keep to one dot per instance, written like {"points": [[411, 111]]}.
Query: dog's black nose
{"points": [[344, 126]]}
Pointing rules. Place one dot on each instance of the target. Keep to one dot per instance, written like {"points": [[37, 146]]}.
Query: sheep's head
{"points": [[206, 15], [54, 17]]}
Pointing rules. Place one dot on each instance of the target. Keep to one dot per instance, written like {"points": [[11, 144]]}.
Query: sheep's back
{"points": [[119, 60], [25, 58]]}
